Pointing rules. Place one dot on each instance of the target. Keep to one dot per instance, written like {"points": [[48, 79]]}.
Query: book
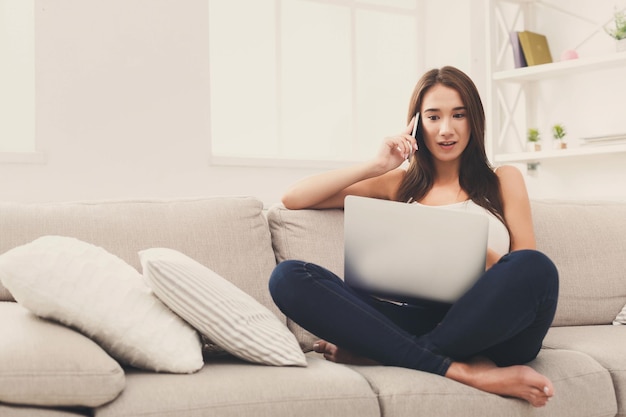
{"points": [[518, 54], [535, 47]]}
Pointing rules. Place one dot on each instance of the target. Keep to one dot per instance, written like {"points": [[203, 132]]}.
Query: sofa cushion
{"points": [[219, 310], [605, 344], [582, 388], [85, 287], [227, 234], [45, 363], [308, 235], [587, 242], [26, 411], [232, 388]]}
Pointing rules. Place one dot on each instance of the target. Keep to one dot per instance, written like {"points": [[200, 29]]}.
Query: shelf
{"points": [[558, 69], [560, 153]]}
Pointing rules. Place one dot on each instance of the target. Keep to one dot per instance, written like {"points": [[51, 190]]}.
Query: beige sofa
{"points": [[584, 354]]}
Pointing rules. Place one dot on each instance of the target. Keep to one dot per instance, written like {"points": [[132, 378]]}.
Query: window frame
{"points": [[417, 13]]}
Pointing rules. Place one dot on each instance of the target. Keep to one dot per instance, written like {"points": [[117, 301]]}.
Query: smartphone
{"points": [[416, 131]]}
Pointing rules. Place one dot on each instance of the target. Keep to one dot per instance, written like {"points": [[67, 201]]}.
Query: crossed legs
{"points": [[481, 341]]}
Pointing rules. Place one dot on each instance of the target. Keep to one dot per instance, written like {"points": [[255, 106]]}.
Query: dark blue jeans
{"points": [[503, 317]]}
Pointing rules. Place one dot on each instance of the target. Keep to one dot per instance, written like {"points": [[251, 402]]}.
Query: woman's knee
{"points": [[541, 262], [284, 274], [538, 268]]}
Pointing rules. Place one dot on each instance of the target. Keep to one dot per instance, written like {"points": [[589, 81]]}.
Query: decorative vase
{"points": [[561, 145], [620, 45]]}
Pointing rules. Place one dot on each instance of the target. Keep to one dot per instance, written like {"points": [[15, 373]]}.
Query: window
{"points": [[309, 81], [17, 80]]}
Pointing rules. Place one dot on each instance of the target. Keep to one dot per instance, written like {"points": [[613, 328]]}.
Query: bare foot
{"points": [[336, 354], [518, 381]]}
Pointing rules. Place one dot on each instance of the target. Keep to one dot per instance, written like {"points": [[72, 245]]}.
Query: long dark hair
{"points": [[476, 176]]}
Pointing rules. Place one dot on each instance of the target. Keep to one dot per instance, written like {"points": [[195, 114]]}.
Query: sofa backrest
{"points": [[586, 241], [230, 235]]}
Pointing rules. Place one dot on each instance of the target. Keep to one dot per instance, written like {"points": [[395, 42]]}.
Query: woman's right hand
{"points": [[396, 149]]}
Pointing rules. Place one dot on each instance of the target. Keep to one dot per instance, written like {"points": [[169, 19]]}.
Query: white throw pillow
{"points": [[621, 317], [219, 310], [85, 287]]}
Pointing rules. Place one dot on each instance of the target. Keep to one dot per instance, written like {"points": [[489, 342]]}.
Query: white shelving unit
{"points": [[512, 91]]}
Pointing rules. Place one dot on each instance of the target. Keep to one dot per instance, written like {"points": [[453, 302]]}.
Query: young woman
{"points": [[485, 338]]}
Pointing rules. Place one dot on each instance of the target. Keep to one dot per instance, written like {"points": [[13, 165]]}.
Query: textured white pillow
{"points": [[621, 317], [85, 287], [219, 310]]}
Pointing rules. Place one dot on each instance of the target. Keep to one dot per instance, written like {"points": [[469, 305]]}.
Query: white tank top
{"points": [[499, 239]]}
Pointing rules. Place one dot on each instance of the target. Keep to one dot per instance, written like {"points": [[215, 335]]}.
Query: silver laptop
{"points": [[409, 252]]}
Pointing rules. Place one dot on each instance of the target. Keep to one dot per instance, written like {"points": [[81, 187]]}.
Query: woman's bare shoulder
{"points": [[512, 186], [508, 171], [509, 176]]}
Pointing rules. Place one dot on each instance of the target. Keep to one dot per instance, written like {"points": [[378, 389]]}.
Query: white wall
{"points": [[122, 100], [122, 103]]}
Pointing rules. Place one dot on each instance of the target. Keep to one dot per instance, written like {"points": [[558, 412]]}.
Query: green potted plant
{"points": [[618, 32], [558, 132], [533, 138]]}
